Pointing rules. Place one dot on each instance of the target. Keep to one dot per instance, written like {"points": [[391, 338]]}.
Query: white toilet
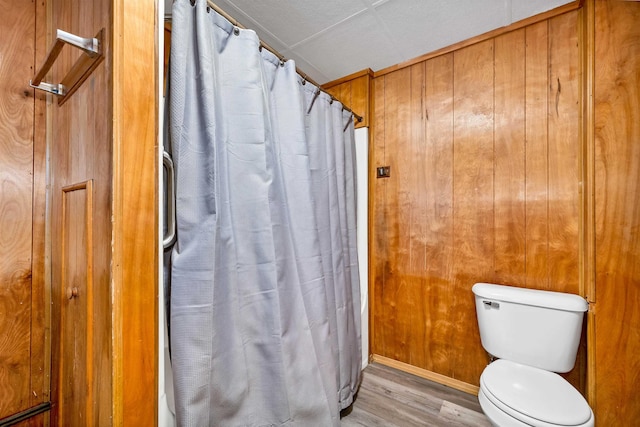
{"points": [[533, 334]]}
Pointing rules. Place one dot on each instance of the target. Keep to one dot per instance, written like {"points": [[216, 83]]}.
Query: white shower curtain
{"points": [[264, 305]]}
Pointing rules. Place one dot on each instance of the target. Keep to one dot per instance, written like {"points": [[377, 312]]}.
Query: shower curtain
{"points": [[264, 303]]}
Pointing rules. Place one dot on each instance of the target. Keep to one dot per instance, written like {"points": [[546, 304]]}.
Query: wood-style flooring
{"points": [[388, 397]]}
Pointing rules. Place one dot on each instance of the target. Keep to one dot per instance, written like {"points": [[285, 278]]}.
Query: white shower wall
{"points": [[362, 174]]}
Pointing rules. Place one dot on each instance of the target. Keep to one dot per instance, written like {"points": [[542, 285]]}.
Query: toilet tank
{"points": [[531, 327]]}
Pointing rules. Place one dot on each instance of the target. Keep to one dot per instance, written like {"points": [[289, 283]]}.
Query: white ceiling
{"points": [[329, 39]]}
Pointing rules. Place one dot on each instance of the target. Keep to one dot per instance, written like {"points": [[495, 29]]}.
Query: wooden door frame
{"points": [[134, 289]]}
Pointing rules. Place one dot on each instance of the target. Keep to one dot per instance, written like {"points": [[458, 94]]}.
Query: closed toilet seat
{"points": [[533, 396]]}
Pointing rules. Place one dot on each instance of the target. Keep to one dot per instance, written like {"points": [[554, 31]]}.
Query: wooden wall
{"points": [[354, 91], [23, 345], [80, 170], [483, 144], [617, 213], [103, 168]]}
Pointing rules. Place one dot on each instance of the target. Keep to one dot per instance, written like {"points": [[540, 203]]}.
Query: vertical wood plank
{"points": [[473, 192], [377, 239], [397, 155], [360, 99], [509, 147], [135, 200], [564, 153], [345, 94], [617, 186], [40, 303], [413, 168], [438, 192], [536, 165], [17, 38]]}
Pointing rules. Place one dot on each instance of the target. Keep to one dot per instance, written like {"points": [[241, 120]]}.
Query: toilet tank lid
{"points": [[534, 297]]}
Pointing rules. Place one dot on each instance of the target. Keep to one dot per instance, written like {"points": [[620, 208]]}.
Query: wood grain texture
{"points": [[17, 41], [438, 210], [483, 187], [135, 215], [379, 252], [536, 160], [617, 185], [395, 298], [76, 380], [473, 199], [354, 92], [563, 153], [40, 300], [509, 159], [80, 146], [389, 397]]}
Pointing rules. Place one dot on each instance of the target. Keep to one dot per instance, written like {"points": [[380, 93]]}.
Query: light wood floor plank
{"points": [[390, 398]]}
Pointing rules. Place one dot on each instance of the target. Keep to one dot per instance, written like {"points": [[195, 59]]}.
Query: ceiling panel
{"points": [[299, 19], [351, 46], [521, 9], [418, 27], [333, 38]]}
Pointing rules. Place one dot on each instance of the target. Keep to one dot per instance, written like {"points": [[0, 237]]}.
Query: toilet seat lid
{"points": [[535, 393]]}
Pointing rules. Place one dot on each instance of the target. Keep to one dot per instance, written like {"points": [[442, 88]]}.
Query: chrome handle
{"points": [[491, 304], [170, 214]]}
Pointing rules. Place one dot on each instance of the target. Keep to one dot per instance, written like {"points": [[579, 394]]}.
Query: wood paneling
{"points": [[483, 147], [473, 198], [617, 211], [354, 92], [509, 162], [135, 214], [76, 380], [536, 163], [81, 151], [563, 154], [106, 134], [438, 210], [22, 349], [41, 280]]}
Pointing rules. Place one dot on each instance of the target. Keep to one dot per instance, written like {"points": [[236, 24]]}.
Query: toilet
{"points": [[533, 334]]}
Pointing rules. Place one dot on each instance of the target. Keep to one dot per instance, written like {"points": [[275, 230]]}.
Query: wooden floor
{"points": [[388, 397]]}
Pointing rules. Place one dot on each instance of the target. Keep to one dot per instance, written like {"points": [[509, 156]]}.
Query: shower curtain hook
{"points": [[348, 122], [315, 96]]}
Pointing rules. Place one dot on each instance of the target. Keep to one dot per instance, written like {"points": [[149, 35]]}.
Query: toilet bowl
{"points": [[534, 334], [512, 394]]}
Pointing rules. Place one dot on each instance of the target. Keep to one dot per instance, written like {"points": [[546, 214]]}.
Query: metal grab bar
{"points": [[170, 214], [84, 66]]}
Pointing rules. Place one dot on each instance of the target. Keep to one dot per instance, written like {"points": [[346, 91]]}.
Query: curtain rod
{"points": [[263, 45]]}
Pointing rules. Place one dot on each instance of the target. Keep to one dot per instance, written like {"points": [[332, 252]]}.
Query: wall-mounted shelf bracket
{"points": [[84, 66]]}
